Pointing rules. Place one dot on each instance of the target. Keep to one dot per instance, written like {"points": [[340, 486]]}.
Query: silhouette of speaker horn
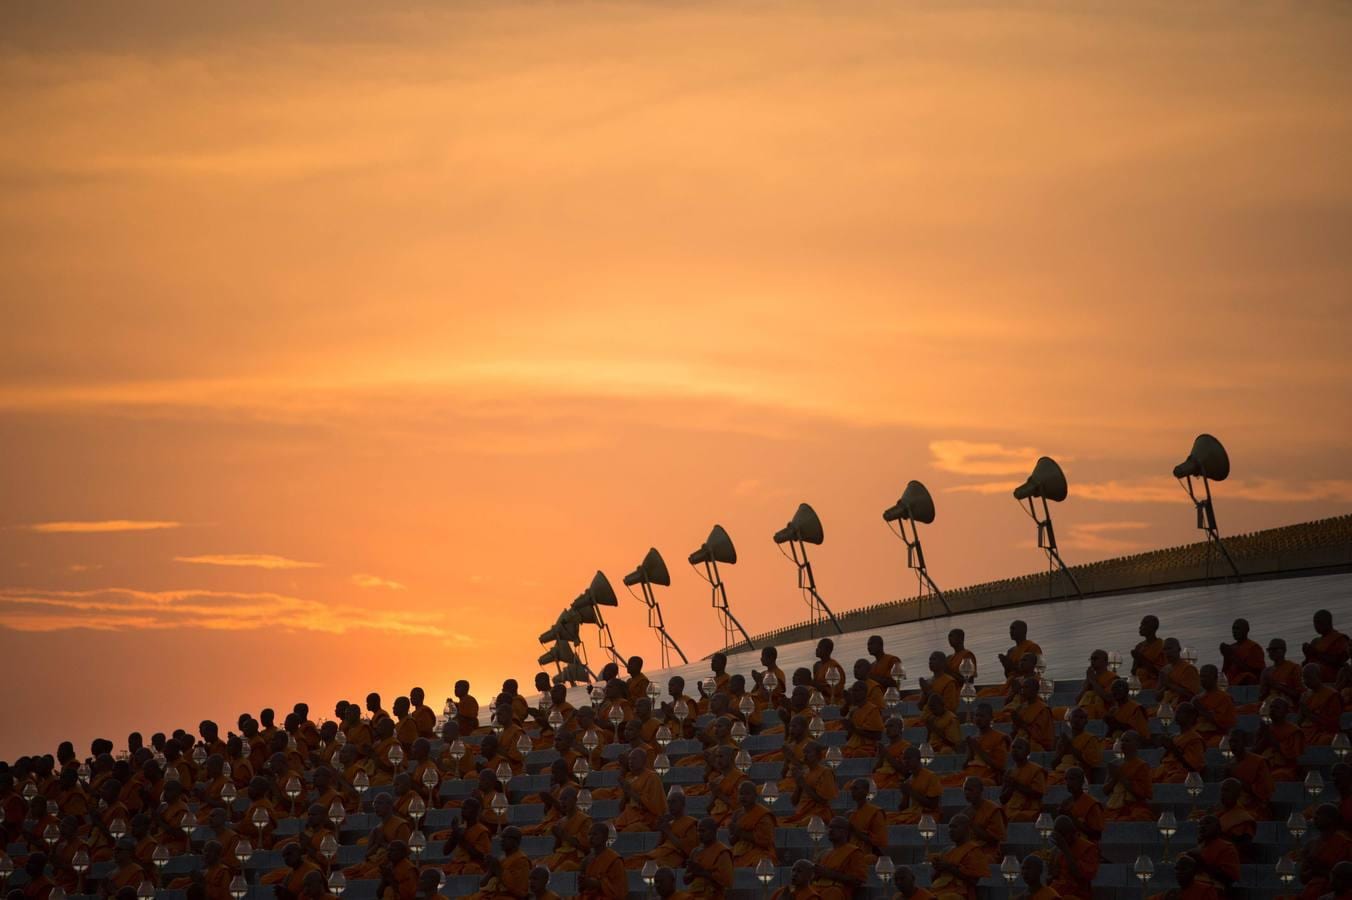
{"points": [[565, 629], [653, 570], [559, 653], [1208, 458], [718, 548], [915, 503], [574, 672], [805, 526], [1047, 481], [598, 593]]}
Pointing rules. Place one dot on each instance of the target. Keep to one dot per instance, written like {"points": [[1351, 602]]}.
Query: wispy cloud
{"points": [[126, 609], [247, 560], [375, 581], [106, 526], [1166, 490], [1103, 536], [981, 458]]}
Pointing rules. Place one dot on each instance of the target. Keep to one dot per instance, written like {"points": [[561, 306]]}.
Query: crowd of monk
{"points": [[224, 796]]}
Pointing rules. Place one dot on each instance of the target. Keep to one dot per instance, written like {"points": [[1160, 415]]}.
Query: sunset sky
{"points": [[341, 343]]}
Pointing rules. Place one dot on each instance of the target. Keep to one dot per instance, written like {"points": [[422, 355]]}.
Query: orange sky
{"points": [[360, 326]]}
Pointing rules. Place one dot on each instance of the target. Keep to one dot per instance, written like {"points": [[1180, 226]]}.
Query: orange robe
{"points": [[1184, 681], [1022, 808], [513, 882], [881, 667], [1086, 855], [394, 828], [1335, 642], [846, 858], [1090, 701], [1220, 854], [467, 714], [476, 836], [1198, 890], [1244, 665], [672, 855], [608, 869], [1322, 711], [973, 865], [291, 879], [1255, 776], [925, 784], [1127, 716], [871, 822], [822, 782], [425, 720], [953, 665], [1087, 812], [1090, 757], [647, 802], [717, 859], [1153, 651], [1284, 758], [989, 816], [1188, 755], [1221, 708], [867, 716], [887, 772], [723, 790], [1034, 720], [819, 670], [1285, 673], [566, 857], [943, 732], [1130, 797], [760, 823], [994, 744]]}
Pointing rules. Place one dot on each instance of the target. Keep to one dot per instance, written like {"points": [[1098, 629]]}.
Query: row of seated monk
{"points": [[65, 818]]}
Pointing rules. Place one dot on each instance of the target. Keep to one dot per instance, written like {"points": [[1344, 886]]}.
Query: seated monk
{"points": [[1147, 657], [1096, 694], [1079, 748], [638, 682], [1081, 807], [1179, 680], [959, 869], [868, 823], [723, 779], [1128, 786], [615, 710], [469, 842], [507, 877], [814, 787], [1217, 859], [887, 764], [560, 777], [291, 876], [1184, 753], [864, 723], [843, 868], [920, 791], [509, 738], [987, 752], [1320, 710], [943, 732], [317, 826], [789, 706], [907, 889], [1124, 715], [677, 832], [880, 670], [1331, 847], [708, 871], [1330, 648], [214, 876], [1342, 788], [800, 883], [571, 832], [953, 664], [1031, 872], [1075, 861], [388, 829], [632, 734], [644, 800], [1216, 713], [940, 684], [985, 818], [751, 828], [678, 713], [1281, 679], [1189, 886], [715, 683], [1024, 786], [127, 871], [1018, 633], [466, 708], [1033, 719], [828, 676], [601, 874], [1242, 661], [1237, 824], [399, 876], [1281, 743], [1253, 773], [717, 734], [795, 743], [384, 752]]}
